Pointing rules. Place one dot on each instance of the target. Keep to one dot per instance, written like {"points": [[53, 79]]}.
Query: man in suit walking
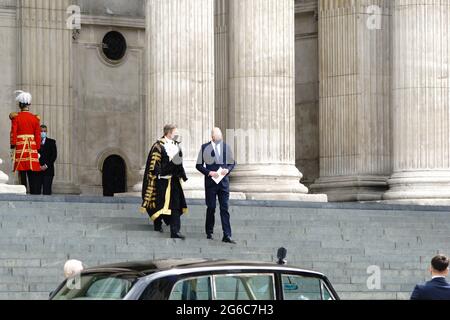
{"points": [[215, 160], [48, 154], [438, 288]]}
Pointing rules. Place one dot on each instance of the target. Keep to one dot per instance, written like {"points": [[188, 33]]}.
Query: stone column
{"points": [[421, 101], [180, 43], [262, 100], [8, 77], [354, 118], [221, 63], [44, 69]]}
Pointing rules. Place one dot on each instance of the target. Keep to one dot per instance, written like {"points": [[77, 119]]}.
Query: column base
{"points": [[8, 188], [432, 186], [272, 182], [66, 188], [137, 188], [351, 188], [194, 188]]}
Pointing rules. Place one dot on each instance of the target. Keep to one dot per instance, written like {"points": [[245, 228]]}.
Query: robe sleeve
{"points": [[152, 170]]}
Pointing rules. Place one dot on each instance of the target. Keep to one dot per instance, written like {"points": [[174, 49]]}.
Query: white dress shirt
{"points": [[216, 150]]}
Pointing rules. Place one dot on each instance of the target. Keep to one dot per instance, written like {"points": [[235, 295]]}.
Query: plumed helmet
{"points": [[23, 97]]}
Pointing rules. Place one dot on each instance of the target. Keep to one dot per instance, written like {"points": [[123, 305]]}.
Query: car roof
{"points": [[152, 266]]}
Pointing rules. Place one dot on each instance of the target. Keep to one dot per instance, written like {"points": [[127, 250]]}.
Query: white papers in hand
{"points": [[220, 177]]}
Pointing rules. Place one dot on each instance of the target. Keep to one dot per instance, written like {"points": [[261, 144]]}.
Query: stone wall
{"points": [[109, 101]]}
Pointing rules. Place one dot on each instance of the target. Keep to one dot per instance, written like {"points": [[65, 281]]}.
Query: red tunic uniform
{"points": [[26, 138]]}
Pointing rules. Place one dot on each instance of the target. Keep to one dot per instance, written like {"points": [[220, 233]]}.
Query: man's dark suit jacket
{"points": [[436, 289], [207, 157], [48, 157]]}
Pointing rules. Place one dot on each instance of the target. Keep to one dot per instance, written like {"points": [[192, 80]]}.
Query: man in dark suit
{"points": [[438, 288], [215, 160], [48, 155]]}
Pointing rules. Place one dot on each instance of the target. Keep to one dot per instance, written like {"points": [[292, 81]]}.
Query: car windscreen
{"points": [[97, 286]]}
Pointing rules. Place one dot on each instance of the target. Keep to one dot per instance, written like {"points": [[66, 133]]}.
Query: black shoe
{"points": [[228, 240], [209, 237], [178, 236], [159, 229]]}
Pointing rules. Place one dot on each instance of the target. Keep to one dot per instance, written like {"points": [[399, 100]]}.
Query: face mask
{"points": [[177, 138], [44, 135]]}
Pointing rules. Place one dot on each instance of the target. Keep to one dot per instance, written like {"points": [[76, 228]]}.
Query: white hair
{"points": [[23, 97], [215, 131], [72, 267]]}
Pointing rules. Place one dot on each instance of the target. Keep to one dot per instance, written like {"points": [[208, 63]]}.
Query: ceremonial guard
{"points": [[162, 191], [26, 142]]}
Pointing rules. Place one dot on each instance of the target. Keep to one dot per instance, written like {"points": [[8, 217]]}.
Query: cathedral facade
{"points": [[322, 99]]}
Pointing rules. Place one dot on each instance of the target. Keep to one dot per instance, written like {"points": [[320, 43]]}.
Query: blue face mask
{"points": [[43, 135]]}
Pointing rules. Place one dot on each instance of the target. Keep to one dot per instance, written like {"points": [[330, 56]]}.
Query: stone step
{"points": [[421, 213], [255, 211], [248, 240], [340, 242], [397, 231], [387, 230]]}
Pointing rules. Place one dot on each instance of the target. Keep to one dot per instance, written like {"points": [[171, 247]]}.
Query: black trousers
{"points": [[174, 221], [213, 193], [33, 181], [45, 184]]}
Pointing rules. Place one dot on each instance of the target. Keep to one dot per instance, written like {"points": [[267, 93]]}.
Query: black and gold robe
{"points": [[162, 195]]}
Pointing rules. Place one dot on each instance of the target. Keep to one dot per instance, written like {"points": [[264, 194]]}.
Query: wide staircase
{"points": [[37, 236]]}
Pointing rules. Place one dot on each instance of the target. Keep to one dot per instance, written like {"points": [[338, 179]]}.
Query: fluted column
{"points": [[45, 46], [262, 100], [421, 101], [180, 43], [354, 47], [221, 63]]}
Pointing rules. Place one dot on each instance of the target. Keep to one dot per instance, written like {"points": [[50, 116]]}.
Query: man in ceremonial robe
{"points": [[162, 191], [26, 142]]}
